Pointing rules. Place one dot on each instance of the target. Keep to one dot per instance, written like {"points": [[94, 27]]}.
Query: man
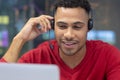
{"points": [[77, 58]]}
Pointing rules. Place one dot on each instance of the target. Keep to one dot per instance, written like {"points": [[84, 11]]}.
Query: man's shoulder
{"points": [[98, 44], [101, 46]]}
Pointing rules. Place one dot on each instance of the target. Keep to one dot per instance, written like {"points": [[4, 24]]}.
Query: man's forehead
{"points": [[63, 10], [77, 14]]}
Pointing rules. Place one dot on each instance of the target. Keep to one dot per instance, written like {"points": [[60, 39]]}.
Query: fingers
{"points": [[44, 22], [30, 28]]}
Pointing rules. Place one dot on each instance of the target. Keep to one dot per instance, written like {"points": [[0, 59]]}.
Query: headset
{"points": [[90, 21], [52, 27], [90, 26], [52, 22]]}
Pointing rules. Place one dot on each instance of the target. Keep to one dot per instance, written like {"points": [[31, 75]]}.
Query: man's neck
{"points": [[74, 60]]}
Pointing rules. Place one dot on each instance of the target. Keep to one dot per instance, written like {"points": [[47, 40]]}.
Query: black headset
{"points": [[90, 21]]}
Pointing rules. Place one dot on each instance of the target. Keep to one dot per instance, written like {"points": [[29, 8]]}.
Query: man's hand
{"points": [[31, 31]]}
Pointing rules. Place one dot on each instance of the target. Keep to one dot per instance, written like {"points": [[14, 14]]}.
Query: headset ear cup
{"points": [[52, 24], [90, 24]]}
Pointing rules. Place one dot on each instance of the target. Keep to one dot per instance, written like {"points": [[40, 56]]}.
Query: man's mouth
{"points": [[69, 44]]}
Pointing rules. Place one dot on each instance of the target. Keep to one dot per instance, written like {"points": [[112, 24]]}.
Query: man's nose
{"points": [[69, 34]]}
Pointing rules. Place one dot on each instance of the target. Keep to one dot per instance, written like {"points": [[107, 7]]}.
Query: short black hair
{"points": [[73, 4]]}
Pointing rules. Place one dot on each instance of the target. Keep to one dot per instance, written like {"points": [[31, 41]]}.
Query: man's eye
{"points": [[77, 27], [62, 27]]}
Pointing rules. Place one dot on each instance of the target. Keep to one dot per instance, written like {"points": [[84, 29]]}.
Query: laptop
{"points": [[15, 71]]}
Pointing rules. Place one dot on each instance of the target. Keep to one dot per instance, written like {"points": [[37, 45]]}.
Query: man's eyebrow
{"points": [[74, 23], [78, 22], [60, 22]]}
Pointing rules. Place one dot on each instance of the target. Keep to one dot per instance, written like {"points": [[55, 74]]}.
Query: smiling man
{"points": [[77, 58], [71, 32]]}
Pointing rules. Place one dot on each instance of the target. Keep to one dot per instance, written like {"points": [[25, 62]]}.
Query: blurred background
{"points": [[14, 14]]}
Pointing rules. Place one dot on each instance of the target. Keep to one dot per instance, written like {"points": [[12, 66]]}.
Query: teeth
{"points": [[69, 43]]}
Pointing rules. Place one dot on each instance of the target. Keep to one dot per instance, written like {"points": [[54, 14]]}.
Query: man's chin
{"points": [[68, 52]]}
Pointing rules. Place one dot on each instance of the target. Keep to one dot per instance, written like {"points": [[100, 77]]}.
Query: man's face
{"points": [[71, 27]]}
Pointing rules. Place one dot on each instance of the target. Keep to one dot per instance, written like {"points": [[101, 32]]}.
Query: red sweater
{"points": [[101, 62]]}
